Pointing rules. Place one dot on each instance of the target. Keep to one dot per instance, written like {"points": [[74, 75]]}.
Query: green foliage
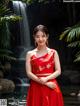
{"points": [[35, 1], [77, 56], [72, 36], [3, 10], [5, 34], [6, 54]]}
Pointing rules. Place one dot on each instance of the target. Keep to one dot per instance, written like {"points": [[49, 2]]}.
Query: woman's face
{"points": [[40, 38]]}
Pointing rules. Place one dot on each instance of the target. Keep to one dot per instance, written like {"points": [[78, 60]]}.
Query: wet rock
{"points": [[6, 86]]}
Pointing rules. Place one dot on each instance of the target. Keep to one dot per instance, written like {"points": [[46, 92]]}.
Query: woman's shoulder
{"points": [[31, 52], [52, 50]]}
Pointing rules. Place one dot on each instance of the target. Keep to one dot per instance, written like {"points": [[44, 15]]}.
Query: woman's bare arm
{"points": [[29, 71], [57, 69]]}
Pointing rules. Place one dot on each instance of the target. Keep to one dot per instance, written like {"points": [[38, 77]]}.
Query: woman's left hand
{"points": [[43, 79]]}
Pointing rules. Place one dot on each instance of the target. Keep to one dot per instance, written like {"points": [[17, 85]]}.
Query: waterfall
{"points": [[25, 44], [20, 9]]}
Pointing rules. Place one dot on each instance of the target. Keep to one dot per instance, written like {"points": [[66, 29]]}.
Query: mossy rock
{"points": [[6, 86]]}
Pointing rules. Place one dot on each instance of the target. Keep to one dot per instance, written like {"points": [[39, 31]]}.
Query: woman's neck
{"points": [[42, 48], [40, 51]]}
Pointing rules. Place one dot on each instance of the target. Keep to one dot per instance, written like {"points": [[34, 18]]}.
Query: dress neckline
{"points": [[44, 55], [41, 56]]}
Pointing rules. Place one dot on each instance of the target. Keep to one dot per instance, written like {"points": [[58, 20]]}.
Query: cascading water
{"points": [[19, 69], [20, 9]]}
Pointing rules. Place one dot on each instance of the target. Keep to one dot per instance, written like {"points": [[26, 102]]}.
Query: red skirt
{"points": [[41, 95]]}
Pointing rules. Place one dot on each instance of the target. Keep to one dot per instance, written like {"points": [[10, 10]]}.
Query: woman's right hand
{"points": [[51, 85], [41, 81]]}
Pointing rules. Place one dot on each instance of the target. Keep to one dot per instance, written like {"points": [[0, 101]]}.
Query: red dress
{"points": [[41, 95]]}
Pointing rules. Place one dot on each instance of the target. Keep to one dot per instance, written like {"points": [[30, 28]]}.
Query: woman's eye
{"points": [[37, 36], [44, 36]]}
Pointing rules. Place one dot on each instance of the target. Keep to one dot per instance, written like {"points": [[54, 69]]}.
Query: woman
{"points": [[43, 67]]}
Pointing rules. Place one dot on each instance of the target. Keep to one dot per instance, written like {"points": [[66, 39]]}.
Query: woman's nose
{"points": [[40, 38]]}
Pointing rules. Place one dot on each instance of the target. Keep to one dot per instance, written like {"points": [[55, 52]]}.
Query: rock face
{"points": [[1, 74], [6, 86]]}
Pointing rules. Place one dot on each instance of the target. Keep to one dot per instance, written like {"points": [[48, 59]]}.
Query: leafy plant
{"points": [[72, 36], [5, 41], [35, 1], [5, 35]]}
